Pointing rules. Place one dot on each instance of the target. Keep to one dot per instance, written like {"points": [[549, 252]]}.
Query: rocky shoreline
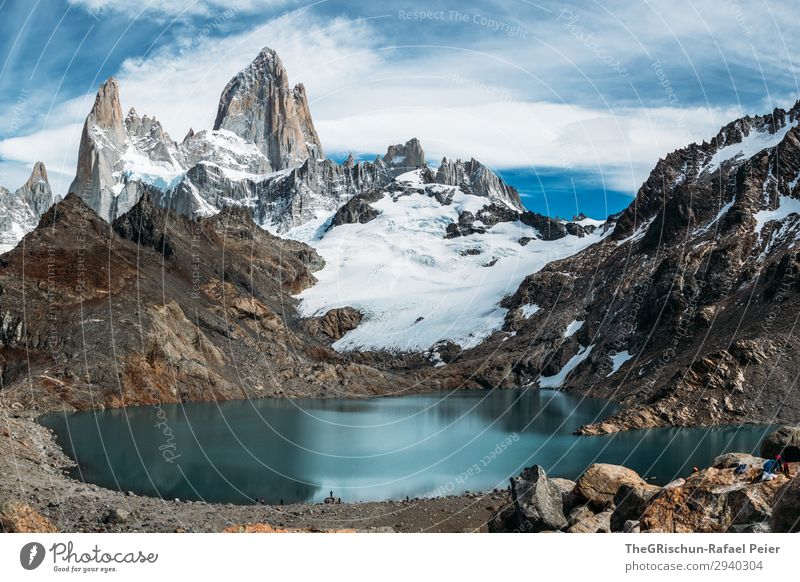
{"points": [[38, 495]]}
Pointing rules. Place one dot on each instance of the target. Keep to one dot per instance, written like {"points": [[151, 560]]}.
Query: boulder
{"points": [[116, 515], [540, 505], [733, 460], [712, 500], [630, 503], [579, 513], [600, 483], [786, 511], [335, 323], [18, 517], [785, 442], [597, 523], [568, 498]]}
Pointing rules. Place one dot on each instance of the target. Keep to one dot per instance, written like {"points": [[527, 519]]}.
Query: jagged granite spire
{"points": [[258, 106], [119, 156], [36, 192], [102, 146]]}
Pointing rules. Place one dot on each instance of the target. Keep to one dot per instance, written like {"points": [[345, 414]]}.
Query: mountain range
{"points": [[240, 262]]}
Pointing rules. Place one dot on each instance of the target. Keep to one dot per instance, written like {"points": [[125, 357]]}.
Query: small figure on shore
{"points": [[329, 499], [338, 501], [281, 501], [771, 466]]}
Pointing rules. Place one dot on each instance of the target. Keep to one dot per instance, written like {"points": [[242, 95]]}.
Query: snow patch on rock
{"points": [[557, 380], [617, 360]]}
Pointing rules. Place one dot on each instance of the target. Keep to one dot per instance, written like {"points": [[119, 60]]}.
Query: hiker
{"points": [[769, 469]]}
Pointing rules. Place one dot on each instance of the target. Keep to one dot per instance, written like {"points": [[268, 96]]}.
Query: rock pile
{"points": [[729, 496]]}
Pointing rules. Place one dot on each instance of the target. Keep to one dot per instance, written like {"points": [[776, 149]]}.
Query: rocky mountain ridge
{"points": [[227, 329], [685, 313]]}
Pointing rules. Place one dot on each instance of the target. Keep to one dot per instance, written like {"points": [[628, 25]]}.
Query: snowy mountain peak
{"points": [[115, 152], [477, 179], [107, 111], [712, 166], [405, 157], [258, 106], [38, 175], [20, 211]]}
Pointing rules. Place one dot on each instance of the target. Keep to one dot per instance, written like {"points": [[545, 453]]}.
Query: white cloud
{"points": [[172, 8], [181, 85], [626, 142], [57, 148], [365, 95]]}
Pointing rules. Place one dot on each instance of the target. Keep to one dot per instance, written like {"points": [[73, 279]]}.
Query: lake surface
{"points": [[383, 448]]}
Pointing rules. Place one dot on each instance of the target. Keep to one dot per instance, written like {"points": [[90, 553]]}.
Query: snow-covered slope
{"points": [[757, 140], [415, 285]]}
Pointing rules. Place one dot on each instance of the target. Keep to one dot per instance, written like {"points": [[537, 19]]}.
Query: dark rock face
{"points": [[143, 225], [405, 157], [355, 211], [540, 505], [786, 513], [548, 228], [785, 442], [494, 213]]}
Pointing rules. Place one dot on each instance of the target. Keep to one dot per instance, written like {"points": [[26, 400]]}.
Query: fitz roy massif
{"points": [[239, 263]]}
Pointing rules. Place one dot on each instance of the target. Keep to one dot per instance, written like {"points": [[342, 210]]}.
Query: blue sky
{"points": [[573, 102]]}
